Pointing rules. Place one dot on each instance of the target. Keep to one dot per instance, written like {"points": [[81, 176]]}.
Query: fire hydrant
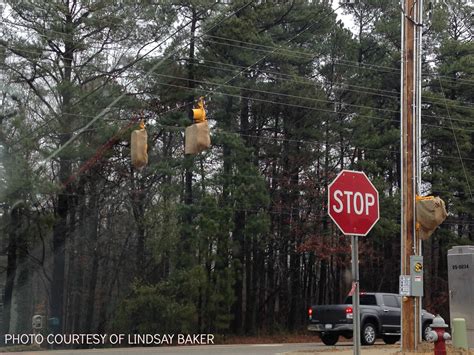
{"points": [[438, 335]]}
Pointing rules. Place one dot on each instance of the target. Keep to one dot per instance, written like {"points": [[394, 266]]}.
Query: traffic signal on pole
{"points": [[199, 113], [430, 213], [196, 136]]}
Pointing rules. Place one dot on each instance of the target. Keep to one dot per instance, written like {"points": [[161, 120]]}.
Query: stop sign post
{"points": [[353, 204]]}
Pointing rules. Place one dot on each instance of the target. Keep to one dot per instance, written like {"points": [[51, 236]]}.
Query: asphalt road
{"points": [[247, 349]]}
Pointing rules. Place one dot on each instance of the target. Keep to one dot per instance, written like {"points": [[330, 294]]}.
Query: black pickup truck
{"points": [[379, 317]]}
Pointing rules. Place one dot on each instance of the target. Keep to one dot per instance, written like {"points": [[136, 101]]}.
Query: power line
{"points": [[359, 65], [306, 81], [379, 92], [154, 67], [252, 98], [303, 107], [342, 62], [210, 92], [310, 98], [166, 58], [456, 141], [274, 93], [301, 97], [276, 48], [304, 141]]}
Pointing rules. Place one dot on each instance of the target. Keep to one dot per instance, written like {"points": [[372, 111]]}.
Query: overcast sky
{"points": [[347, 19]]}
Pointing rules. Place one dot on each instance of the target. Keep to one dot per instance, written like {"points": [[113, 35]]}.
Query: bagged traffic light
{"points": [[197, 136], [139, 147], [430, 213]]}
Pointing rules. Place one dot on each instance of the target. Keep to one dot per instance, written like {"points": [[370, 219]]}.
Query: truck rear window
{"points": [[365, 300]]}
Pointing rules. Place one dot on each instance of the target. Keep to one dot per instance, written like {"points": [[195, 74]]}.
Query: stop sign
{"points": [[353, 203]]}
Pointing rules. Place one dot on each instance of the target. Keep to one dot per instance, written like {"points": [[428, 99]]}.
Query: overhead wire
{"points": [[307, 98], [291, 39], [276, 48], [457, 143], [315, 142], [293, 52], [105, 110], [360, 65], [251, 98], [154, 67], [161, 61], [274, 93], [304, 107], [304, 98], [433, 100], [304, 81], [259, 60], [210, 92], [337, 86], [304, 141], [257, 99]]}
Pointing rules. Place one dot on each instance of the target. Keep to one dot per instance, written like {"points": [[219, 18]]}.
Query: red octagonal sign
{"points": [[353, 203]]}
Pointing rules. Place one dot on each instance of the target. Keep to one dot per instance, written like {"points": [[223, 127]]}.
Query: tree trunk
{"points": [[11, 268], [93, 226], [238, 253], [23, 298], [186, 260], [60, 231]]}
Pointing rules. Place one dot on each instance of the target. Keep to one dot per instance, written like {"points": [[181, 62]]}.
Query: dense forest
{"points": [[236, 239]]}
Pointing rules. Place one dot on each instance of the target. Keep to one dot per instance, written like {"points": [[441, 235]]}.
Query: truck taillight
{"points": [[349, 314], [310, 313]]}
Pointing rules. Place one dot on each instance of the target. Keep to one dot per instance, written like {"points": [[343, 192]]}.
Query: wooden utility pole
{"points": [[411, 174]]}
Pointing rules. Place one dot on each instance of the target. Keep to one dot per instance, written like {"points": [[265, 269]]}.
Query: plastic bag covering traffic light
{"points": [[139, 147], [197, 137], [430, 213]]}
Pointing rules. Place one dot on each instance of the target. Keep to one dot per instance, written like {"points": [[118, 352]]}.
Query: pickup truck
{"points": [[379, 314]]}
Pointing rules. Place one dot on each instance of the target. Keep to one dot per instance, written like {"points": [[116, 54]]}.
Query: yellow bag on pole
{"points": [[139, 147]]}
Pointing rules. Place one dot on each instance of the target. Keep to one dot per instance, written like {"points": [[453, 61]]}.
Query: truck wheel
{"points": [[329, 339], [369, 334], [390, 339]]}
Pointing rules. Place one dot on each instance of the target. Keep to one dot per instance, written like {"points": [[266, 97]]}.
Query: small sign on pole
{"points": [[353, 204], [405, 283]]}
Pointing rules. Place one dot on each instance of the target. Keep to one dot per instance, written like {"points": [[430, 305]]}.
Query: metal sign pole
{"points": [[355, 296]]}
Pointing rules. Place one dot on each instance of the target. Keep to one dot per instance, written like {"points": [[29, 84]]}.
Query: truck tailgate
{"points": [[331, 314]]}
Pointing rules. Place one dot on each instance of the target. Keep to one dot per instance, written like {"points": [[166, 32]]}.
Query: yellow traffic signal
{"points": [[199, 113], [197, 137]]}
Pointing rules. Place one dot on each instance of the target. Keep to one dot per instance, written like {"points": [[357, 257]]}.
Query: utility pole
{"points": [[410, 111]]}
